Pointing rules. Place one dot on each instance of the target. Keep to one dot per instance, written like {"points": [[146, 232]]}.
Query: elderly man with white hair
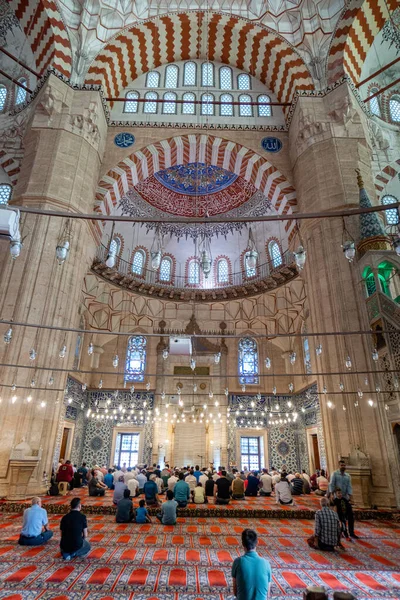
{"points": [[35, 530], [151, 491], [327, 528]]}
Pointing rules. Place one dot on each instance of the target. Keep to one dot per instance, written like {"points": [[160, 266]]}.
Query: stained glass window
{"points": [[171, 76], [127, 449], [250, 453], [189, 73], [153, 79], [5, 193], [131, 103], [223, 271], [369, 279], [169, 104], [394, 108], [135, 364], [188, 106], [243, 81], [245, 108], [392, 214], [249, 271], [115, 246], [207, 74], [225, 78], [206, 107], [3, 96], [374, 103], [149, 106], [138, 262], [226, 109], [166, 269], [21, 93], [264, 110], [248, 361], [194, 272], [275, 254]]}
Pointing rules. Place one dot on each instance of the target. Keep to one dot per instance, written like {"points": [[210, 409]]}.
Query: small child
{"points": [[142, 514], [340, 507]]}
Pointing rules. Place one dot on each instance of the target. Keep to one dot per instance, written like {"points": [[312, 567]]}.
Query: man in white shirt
{"points": [[283, 491], [275, 477], [191, 480], [266, 481], [215, 476], [306, 476], [117, 474], [203, 478], [133, 487], [128, 475], [290, 477], [172, 481]]}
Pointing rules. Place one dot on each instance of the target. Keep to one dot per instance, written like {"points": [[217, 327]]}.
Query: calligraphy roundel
{"points": [[124, 139], [283, 448], [271, 144]]}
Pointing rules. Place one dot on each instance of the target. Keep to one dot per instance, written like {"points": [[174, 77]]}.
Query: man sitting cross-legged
{"points": [[167, 516], [34, 529]]}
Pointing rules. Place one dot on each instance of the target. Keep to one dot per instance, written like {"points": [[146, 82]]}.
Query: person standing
{"points": [[35, 524], [251, 573], [141, 477], [191, 480], [74, 532], [341, 479], [197, 473], [172, 481]]}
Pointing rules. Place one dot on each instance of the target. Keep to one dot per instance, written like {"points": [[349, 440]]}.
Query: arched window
{"points": [[225, 78], [169, 104], [264, 110], [207, 74], [275, 254], [193, 272], [374, 103], [115, 246], [249, 270], [243, 81], [153, 79], [3, 97], [166, 270], [171, 76], [149, 106], [392, 214], [138, 262], [135, 364], [307, 355], [189, 73], [5, 193], [21, 93], [188, 106], [369, 279], [131, 103], [226, 109], [394, 108], [223, 271], [245, 108], [248, 361], [206, 107]]}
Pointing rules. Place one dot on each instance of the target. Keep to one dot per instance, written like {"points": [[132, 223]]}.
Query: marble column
{"points": [[64, 145], [328, 142]]}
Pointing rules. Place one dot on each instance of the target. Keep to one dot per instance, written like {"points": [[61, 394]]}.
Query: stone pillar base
{"points": [[20, 473], [361, 483]]}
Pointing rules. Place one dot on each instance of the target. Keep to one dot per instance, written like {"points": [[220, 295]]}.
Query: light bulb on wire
{"points": [[51, 380], [267, 363], [165, 353], [292, 358], [90, 349], [63, 351], [341, 386], [8, 335], [192, 364], [115, 361], [217, 358], [100, 384], [318, 350], [348, 362], [375, 355], [32, 354]]}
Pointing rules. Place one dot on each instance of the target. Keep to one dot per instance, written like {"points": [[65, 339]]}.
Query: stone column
{"points": [[328, 142], [64, 144]]}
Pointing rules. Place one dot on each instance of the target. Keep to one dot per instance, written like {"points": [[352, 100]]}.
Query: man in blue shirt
{"points": [[342, 480], [251, 573], [34, 529], [168, 510], [109, 479], [181, 491], [197, 473], [151, 491], [141, 477]]}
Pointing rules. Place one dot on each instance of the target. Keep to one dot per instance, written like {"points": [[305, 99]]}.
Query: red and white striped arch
{"points": [[220, 37], [196, 148], [46, 34], [11, 165], [355, 33], [386, 175]]}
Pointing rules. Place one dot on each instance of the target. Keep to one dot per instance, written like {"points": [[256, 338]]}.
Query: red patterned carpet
{"points": [[192, 561]]}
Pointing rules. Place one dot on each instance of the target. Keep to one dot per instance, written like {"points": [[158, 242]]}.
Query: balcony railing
{"points": [[238, 283]]}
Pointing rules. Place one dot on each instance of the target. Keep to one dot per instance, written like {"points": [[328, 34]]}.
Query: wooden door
{"points": [[64, 443], [317, 461]]}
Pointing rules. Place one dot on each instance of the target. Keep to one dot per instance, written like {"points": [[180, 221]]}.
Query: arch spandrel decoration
{"points": [[245, 45], [191, 148]]}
